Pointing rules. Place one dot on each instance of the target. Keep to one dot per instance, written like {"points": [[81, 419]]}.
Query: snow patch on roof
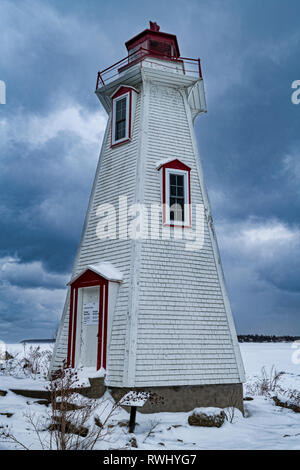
{"points": [[104, 269], [164, 162], [107, 270]]}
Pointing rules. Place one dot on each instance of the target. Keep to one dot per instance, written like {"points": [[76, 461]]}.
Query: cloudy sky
{"points": [[52, 126]]}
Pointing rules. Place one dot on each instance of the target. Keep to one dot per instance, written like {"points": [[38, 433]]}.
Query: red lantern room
{"points": [[155, 43], [150, 46]]}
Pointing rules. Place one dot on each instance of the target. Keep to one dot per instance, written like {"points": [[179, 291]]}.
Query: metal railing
{"points": [[188, 66]]}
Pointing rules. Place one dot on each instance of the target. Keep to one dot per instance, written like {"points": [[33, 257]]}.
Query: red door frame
{"points": [[89, 279]]}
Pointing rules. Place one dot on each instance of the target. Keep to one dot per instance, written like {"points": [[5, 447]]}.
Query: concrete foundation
{"points": [[177, 398], [186, 398]]}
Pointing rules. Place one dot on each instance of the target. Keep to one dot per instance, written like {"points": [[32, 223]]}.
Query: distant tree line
{"points": [[267, 339]]}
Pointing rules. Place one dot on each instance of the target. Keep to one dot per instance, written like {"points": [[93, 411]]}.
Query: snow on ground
{"points": [[284, 357], [23, 348], [264, 426]]}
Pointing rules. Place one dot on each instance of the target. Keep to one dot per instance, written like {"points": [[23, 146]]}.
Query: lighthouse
{"points": [[147, 305]]}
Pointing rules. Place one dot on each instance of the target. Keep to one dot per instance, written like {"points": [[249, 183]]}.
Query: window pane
{"points": [[177, 211], [120, 130], [176, 187], [172, 179], [173, 190], [121, 109], [160, 47], [180, 191], [120, 120], [179, 180]]}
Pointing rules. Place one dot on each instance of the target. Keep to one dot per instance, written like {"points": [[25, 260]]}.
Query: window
{"points": [[162, 48], [120, 119], [123, 103], [120, 124], [137, 51], [175, 193]]}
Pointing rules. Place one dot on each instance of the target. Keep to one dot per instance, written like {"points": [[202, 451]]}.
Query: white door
{"points": [[90, 322]]}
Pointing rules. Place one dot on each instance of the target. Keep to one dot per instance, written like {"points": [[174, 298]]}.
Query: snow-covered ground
{"points": [[265, 426], [284, 356]]}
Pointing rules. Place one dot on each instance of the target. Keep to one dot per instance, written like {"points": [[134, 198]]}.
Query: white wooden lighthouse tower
{"points": [[147, 303]]}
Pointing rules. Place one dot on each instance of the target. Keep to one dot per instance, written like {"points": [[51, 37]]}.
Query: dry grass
{"points": [[71, 421]]}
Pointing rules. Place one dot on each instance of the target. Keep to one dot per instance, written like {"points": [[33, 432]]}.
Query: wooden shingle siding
{"points": [[182, 322], [172, 323], [116, 176]]}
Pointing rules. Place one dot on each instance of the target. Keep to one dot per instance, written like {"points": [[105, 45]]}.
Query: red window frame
{"points": [[175, 165], [121, 91]]}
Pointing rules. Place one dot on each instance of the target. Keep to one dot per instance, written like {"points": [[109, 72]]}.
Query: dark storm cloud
{"points": [[46, 193], [260, 262], [52, 124]]}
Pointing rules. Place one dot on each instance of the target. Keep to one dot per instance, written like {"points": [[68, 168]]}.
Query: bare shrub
{"points": [[151, 432], [234, 402], [293, 395], [288, 399], [270, 382], [36, 361], [33, 363], [71, 421], [71, 429], [8, 436], [266, 384], [9, 366], [230, 413], [269, 385]]}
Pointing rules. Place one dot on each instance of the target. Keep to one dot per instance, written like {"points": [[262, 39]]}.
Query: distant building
{"points": [[35, 341]]}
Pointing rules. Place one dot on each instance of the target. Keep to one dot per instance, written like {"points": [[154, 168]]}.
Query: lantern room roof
{"points": [[105, 269], [154, 33]]}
